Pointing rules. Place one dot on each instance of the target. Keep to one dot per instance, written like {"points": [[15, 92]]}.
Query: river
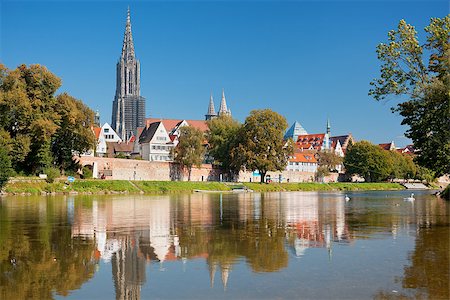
{"points": [[289, 245]]}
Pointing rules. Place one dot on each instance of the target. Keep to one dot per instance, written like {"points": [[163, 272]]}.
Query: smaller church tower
{"points": [[97, 119], [211, 111], [327, 139], [223, 110]]}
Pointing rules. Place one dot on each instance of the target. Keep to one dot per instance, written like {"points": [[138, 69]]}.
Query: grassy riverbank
{"points": [[312, 186], [36, 187]]}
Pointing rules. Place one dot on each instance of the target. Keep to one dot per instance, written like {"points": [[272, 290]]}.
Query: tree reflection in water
{"points": [[38, 255], [428, 274], [52, 245]]}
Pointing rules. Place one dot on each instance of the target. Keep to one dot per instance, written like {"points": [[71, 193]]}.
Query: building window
{"points": [[106, 130]]}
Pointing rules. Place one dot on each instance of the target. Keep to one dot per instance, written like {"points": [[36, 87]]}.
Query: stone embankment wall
{"points": [[130, 169]]}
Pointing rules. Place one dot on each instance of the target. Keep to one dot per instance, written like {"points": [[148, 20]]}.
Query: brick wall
{"points": [[131, 169]]}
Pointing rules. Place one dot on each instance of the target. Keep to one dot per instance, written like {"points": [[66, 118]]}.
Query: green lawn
{"points": [[179, 186], [313, 186], [157, 187]]}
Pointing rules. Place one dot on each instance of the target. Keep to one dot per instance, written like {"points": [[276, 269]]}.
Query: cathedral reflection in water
{"points": [[131, 231]]}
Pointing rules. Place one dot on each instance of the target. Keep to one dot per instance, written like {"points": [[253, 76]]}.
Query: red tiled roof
{"points": [[307, 140], [199, 124], [385, 146], [170, 124], [97, 131], [304, 157]]}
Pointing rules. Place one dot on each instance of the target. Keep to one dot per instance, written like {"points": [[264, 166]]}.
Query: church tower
{"points": [[211, 111], [128, 111], [223, 110]]}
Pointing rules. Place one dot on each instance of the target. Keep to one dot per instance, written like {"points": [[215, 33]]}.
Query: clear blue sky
{"points": [[307, 60]]}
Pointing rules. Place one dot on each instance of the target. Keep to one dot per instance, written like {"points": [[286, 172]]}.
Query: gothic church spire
{"points": [[211, 111], [223, 110], [128, 46]]}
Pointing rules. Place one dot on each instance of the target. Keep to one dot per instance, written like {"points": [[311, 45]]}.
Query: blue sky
{"points": [[307, 60]]}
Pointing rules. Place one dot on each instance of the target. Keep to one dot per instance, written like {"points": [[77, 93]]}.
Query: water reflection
{"points": [[54, 245]]}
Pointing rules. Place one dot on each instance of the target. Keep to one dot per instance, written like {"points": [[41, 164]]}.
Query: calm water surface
{"points": [[211, 246]]}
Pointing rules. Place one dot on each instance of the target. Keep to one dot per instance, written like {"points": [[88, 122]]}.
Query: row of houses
{"points": [[155, 142]]}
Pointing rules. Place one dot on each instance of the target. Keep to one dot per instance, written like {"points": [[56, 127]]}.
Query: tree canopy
{"points": [[376, 164], [261, 145], [41, 129], [222, 137], [425, 85], [190, 150], [327, 162]]}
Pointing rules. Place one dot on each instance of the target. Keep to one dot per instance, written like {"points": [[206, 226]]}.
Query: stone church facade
{"points": [[128, 111]]}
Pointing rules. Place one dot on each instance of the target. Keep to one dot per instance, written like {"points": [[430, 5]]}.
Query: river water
{"points": [[297, 245]]}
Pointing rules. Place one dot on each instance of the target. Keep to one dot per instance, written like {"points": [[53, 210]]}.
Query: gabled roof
{"points": [[387, 146], [97, 131], [343, 139], [148, 133], [117, 147], [171, 124]]}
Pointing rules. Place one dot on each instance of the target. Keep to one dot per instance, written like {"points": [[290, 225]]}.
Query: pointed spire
{"points": [[223, 110], [128, 46], [328, 128], [212, 273], [211, 110], [225, 274]]}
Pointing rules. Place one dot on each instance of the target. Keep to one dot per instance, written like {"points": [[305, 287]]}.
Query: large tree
{"points": [[424, 87], [44, 130], [221, 139], [368, 161], [74, 134], [190, 150], [261, 145]]}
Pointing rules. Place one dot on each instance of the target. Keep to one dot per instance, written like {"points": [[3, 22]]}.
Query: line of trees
{"points": [[257, 144], [376, 164], [39, 131]]}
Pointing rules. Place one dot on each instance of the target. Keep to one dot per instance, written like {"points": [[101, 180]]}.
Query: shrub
{"points": [[87, 172], [52, 174]]}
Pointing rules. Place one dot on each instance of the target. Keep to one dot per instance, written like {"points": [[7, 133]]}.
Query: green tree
{"points": [[45, 130], [74, 134], [369, 161], [222, 138], [190, 150], [327, 162], [5, 163], [260, 144], [401, 165], [424, 85]]}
